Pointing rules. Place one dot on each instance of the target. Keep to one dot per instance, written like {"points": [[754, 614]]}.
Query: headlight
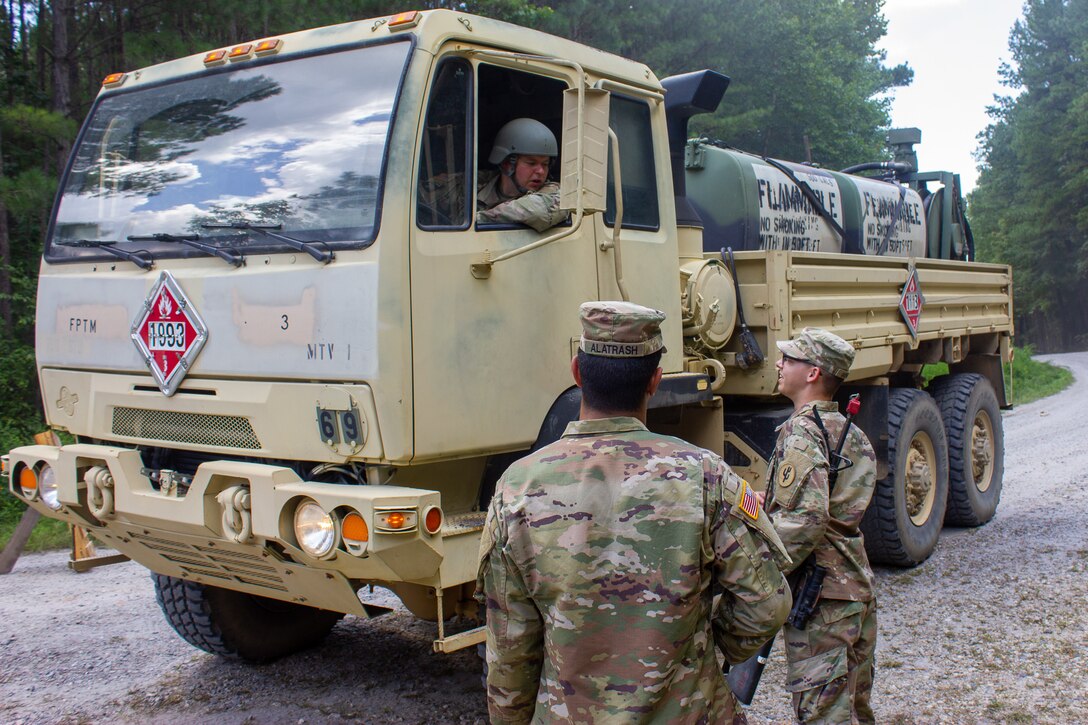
{"points": [[314, 529], [48, 488]]}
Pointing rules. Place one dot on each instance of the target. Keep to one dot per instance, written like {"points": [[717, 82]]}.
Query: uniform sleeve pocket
{"points": [[789, 474], [816, 671]]}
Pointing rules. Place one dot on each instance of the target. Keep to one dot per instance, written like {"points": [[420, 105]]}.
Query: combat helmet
{"points": [[523, 136]]}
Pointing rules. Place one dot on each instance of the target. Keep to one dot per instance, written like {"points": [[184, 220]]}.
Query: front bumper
{"points": [[233, 526]]}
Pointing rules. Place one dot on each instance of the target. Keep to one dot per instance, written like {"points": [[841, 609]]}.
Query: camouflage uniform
{"points": [[831, 661], [445, 194], [599, 560], [538, 209]]}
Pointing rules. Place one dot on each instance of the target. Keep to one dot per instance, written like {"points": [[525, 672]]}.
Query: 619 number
{"points": [[337, 426]]}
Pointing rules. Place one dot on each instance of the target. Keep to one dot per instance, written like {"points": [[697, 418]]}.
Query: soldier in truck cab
{"points": [[520, 191], [517, 191]]}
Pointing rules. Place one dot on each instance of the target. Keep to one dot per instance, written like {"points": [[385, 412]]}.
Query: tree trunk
{"points": [[6, 319], [63, 60], [23, 44], [9, 48], [40, 48]]}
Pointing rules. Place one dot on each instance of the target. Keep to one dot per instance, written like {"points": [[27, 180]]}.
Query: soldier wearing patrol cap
{"points": [[600, 552], [830, 660]]}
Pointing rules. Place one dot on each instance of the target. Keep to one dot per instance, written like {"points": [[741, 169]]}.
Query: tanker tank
{"points": [[747, 202]]}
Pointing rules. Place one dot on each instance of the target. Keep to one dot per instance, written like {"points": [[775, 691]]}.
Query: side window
{"points": [[630, 119], [504, 96], [445, 167]]}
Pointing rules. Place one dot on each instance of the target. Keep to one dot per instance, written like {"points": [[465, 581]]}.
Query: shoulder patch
{"points": [[747, 500], [787, 474]]}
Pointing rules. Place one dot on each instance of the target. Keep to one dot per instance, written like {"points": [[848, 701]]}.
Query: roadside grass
{"points": [[48, 533], [1030, 379]]}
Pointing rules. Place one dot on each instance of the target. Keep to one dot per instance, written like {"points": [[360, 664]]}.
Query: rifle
{"points": [[806, 582]]}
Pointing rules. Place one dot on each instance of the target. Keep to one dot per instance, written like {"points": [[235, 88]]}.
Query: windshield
{"points": [[295, 145]]}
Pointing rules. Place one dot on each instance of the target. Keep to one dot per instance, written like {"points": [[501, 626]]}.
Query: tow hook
{"points": [[237, 519]]}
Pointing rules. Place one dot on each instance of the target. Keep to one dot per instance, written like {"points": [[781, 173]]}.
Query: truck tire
{"points": [[906, 513], [976, 447], [238, 625]]}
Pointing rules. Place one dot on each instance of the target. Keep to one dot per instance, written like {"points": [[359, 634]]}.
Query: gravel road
{"points": [[993, 628]]}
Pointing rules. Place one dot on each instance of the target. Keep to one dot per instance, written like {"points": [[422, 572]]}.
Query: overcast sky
{"points": [[955, 48]]}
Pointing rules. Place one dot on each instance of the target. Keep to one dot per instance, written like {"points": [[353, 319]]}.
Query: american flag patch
{"points": [[749, 504]]}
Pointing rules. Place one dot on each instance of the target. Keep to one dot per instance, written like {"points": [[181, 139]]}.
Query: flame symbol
{"points": [[165, 307]]}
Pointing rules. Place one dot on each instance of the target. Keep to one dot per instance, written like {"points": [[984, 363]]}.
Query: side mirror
{"points": [[591, 121]]}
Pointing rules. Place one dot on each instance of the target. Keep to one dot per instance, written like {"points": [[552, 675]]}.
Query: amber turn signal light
{"points": [[403, 21], [28, 481], [267, 47], [240, 51], [354, 529]]}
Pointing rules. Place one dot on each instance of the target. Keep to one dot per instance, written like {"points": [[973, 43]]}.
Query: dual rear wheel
{"points": [[945, 462]]}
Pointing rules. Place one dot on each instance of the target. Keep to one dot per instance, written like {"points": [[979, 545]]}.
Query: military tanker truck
{"points": [[290, 376]]}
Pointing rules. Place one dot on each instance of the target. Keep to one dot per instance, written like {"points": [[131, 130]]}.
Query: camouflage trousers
{"points": [[830, 663]]}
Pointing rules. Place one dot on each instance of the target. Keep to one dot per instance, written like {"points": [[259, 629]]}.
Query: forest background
{"points": [[809, 83]]}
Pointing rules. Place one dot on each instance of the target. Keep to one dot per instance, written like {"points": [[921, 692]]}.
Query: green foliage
{"points": [[11, 509], [1030, 208], [21, 418], [1026, 379], [934, 371], [27, 128], [811, 74], [1032, 379], [47, 534], [800, 69]]}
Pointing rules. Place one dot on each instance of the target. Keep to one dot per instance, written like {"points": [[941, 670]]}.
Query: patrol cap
{"points": [[620, 329], [824, 349]]}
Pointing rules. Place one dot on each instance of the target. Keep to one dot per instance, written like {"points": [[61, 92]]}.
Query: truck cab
{"points": [[267, 338]]}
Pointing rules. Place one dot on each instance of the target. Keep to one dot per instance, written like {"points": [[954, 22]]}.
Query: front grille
{"points": [[226, 431], [215, 563]]}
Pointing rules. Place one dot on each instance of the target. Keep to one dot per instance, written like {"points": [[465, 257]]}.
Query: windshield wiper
{"points": [[141, 257], [232, 256], [321, 255]]}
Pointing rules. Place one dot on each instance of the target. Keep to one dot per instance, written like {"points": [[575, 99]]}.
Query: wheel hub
{"points": [[919, 478], [982, 451]]}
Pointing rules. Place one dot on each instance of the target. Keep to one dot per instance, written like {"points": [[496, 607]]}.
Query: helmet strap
{"points": [[508, 167]]}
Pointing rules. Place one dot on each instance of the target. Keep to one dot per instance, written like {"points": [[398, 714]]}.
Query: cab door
{"points": [[489, 356], [647, 241]]}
